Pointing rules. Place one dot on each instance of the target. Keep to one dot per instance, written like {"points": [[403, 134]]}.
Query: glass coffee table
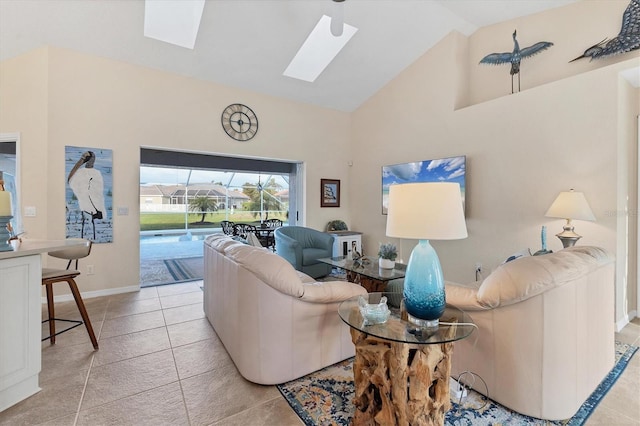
{"points": [[366, 271], [401, 371]]}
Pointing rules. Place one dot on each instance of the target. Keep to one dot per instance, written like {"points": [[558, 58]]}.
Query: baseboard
{"points": [[625, 320], [92, 294]]}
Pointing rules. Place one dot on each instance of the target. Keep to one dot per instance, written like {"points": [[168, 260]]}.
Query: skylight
{"points": [[318, 50], [173, 21]]}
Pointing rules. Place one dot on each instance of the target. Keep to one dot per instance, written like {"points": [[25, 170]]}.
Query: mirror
{"points": [[9, 166]]}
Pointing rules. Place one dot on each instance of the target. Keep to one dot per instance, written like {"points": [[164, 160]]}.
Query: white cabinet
{"points": [[345, 242], [20, 316]]}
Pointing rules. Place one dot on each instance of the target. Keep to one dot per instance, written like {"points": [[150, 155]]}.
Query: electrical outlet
{"points": [[478, 267], [90, 270], [461, 390]]}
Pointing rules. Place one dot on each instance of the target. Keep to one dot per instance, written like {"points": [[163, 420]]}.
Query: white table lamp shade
{"points": [[571, 205], [426, 211]]}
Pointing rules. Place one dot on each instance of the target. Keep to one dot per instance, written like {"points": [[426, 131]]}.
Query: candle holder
{"points": [[543, 238], [4, 233]]}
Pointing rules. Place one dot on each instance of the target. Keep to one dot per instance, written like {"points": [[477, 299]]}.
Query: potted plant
{"points": [[387, 256]]}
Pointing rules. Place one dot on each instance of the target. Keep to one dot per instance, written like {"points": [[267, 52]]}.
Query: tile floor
{"points": [[161, 363]]}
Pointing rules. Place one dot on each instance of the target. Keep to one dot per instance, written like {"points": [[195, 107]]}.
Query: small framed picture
{"points": [[329, 193]]}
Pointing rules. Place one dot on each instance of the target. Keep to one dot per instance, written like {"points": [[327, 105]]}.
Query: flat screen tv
{"points": [[450, 169]]}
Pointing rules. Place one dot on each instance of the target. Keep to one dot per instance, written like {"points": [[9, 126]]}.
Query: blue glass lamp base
{"points": [[424, 295]]}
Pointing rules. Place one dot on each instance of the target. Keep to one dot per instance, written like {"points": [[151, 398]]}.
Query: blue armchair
{"points": [[302, 247]]}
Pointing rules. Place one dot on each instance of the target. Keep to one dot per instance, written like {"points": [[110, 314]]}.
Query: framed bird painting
{"points": [[89, 193], [329, 193]]}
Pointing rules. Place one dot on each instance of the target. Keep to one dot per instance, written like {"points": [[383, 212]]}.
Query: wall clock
{"points": [[240, 122]]}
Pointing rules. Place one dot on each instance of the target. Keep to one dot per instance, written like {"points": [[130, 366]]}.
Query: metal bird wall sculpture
{"points": [[515, 56], [87, 185], [628, 38]]}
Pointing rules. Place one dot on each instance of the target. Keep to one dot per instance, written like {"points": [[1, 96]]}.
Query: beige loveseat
{"points": [[276, 323], [546, 330]]}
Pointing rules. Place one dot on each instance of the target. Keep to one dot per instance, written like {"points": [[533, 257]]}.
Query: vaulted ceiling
{"points": [[249, 43]]}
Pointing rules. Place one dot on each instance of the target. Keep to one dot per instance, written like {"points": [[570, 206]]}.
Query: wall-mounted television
{"points": [[451, 169]]}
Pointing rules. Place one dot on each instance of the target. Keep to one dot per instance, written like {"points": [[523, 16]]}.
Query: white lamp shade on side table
{"points": [[570, 205]]}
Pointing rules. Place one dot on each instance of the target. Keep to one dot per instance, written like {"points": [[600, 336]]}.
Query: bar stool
{"points": [[51, 276]]}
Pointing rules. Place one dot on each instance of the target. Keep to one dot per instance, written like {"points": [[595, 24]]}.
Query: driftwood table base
{"points": [[400, 383], [372, 285]]}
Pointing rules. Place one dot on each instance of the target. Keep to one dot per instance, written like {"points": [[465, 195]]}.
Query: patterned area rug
{"points": [[335, 275], [186, 269], [324, 398]]}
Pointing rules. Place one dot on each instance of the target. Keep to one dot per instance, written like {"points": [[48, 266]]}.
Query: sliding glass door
{"points": [[186, 196]]}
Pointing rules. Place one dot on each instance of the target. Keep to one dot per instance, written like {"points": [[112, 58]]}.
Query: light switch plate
{"points": [[30, 211]]}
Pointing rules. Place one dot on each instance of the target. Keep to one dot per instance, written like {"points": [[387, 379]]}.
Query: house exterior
{"points": [[169, 197], [155, 195]]}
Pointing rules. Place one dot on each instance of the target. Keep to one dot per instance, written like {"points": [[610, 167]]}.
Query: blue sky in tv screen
{"points": [[451, 169]]}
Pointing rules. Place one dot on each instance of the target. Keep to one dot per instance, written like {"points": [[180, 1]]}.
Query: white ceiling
{"points": [[249, 43]]}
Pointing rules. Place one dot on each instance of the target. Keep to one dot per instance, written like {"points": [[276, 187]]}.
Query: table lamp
{"points": [[425, 211], [570, 205]]}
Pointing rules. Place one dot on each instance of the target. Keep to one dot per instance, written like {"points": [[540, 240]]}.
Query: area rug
{"points": [[324, 398], [186, 269], [336, 274]]}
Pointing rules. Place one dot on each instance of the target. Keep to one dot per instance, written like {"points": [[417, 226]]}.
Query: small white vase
{"points": [[386, 263]]}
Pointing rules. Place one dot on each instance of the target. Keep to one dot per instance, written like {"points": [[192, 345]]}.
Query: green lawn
{"points": [[161, 221]]}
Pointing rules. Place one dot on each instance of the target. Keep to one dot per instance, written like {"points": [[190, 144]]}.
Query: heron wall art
{"points": [[628, 38], [89, 193], [515, 56]]}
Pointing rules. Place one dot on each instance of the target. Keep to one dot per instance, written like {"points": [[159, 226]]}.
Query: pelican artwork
{"points": [[628, 38], [88, 186], [515, 56]]}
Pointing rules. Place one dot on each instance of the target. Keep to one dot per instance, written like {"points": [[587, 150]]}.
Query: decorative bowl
{"points": [[374, 313]]}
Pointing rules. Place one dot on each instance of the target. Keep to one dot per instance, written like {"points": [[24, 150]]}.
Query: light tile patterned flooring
{"points": [[161, 363]]}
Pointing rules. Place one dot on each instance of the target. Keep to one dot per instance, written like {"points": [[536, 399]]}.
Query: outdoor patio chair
{"points": [[227, 227], [273, 223], [266, 234], [242, 229]]}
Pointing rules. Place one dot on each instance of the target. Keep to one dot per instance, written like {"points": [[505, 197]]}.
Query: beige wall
{"points": [[23, 108], [569, 129], [67, 98]]}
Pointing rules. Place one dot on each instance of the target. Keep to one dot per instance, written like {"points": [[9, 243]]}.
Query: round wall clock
{"points": [[240, 122]]}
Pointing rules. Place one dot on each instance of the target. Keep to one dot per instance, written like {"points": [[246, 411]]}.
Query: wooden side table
{"points": [[401, 372]]}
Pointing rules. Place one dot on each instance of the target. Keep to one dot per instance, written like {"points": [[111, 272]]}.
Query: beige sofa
{"points": [[546, 330], [276, 323]]}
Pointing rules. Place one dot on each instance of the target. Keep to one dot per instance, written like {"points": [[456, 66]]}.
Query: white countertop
{"points": [[29, 247]]}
